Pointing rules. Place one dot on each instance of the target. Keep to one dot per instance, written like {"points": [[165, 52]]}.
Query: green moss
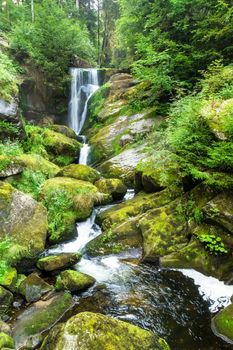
{"points": [[6, 341], [73, 281], [8, 78], [8, 278], [94, 331], [56, 262], [36, 162], [80, 172], [114, 187], [223, 323]]}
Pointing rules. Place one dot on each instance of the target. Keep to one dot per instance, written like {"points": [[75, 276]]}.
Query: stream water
{"points": [[178, 305]]}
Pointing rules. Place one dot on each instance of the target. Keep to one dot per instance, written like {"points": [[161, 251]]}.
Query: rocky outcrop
{"points": [[94, 331]]}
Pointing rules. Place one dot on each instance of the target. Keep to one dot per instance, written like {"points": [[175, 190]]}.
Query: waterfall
{"points": [[84, 82]]}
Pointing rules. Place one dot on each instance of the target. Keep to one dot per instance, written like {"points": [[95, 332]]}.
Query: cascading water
{"points": [[84, 82]]}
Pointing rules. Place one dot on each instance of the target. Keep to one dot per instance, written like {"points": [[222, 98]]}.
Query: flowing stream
{"points": [[177, 304]]}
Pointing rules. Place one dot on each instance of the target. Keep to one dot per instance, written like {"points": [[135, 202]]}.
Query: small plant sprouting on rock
{"points": [[213, 244]]}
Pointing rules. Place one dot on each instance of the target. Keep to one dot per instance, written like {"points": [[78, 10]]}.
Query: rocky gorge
{"points": [[94, 256]]}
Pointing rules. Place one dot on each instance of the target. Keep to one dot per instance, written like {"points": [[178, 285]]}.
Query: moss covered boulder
{"points": [[6, 342], [68, 200], [30, 326], [57, 262], [23, 224], [34, 287], [222, 324], [114, 187], [123, 165], [158, 172], [36, 162], [6, 298], [74, 281], [220, 210], [80, 172], [10, 166], [88, 331], [65, 130], [8, 278], [163, 230]]}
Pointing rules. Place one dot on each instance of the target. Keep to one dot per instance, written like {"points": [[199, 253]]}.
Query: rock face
{"points": [[29, 327], [88, 331], [23, 221], [222, 324], [80, 172], [74, 281], [114, 187], [33, 288], [57, 262], [68, 200]]}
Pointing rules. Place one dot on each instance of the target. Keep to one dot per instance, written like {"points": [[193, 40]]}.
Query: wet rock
{"points": [[6, 342], [63, 129], [29, 328], [6, 298], [10, 166], [220, 210], [80, 172], [33, 288], [57, 262], [67, 201], [73, 281], [222, 324], [23, 221], [94, 331], [114, 187], [123, 165]]}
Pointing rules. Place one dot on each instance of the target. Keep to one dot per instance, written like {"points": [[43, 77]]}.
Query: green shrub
{"points": [[213, 244], [8, 78], [9, 148], [30, 182]]}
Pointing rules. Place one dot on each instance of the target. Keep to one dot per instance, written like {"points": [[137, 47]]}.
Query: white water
{"points": [[84, 152], [84, 82]]}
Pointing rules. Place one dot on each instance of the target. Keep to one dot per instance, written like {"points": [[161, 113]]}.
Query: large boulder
{"points": [[34, 287], [113, 187], [36, 162], [123, 165], [74, 281], [68, 200], [57, 262], [80, 172], [222, 324], [88, 331], [23, 222], [30, 326]]}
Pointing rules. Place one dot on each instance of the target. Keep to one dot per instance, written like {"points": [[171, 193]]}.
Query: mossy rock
{"points": [[57, 262], [220, 210], [73, 281], [163, 230], [218, 115], [6, 299], [23, 224], [123, 165], [9, 278], [80, 172], [88, 331], [5, 328], [65, 130], [68, 200], [222, 324], [10, 166], [34, 287], [36, 162], [114, 187], [6, 341], [117, 239], [158, 172], [30, 326]]}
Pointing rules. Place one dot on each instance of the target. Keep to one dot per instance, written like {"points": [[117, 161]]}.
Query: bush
{"points": [[8, 78]]}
